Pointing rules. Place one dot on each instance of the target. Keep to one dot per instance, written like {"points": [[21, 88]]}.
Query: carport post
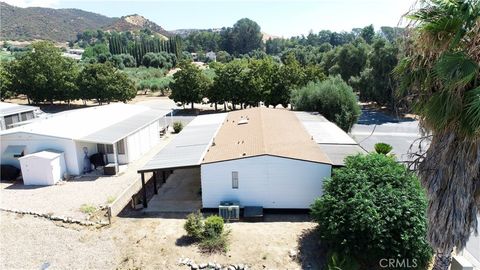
{"points": [[115, 157], [144, 191], [155, 191], [164, 177]]}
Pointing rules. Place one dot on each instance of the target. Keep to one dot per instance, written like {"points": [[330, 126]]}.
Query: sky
{"points": [[283, 18]]}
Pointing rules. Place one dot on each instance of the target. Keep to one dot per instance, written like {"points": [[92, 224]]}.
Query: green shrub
{"points": [[383, 148], [143, 86], [154, 87], [218, 243], [333, 98], [88, 208], [213, 226], [374, 208], [341, 262], [177, 127], [194, 225]]}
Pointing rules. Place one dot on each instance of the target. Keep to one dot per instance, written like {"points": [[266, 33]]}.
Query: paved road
{"points": [[374, 126]]}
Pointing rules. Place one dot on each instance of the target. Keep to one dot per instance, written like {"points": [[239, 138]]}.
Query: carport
{"points": [[186, 151]]}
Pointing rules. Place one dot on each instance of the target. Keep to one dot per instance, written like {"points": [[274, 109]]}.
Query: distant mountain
{"points": [[47, 23], [63, 24], [136, 22]]}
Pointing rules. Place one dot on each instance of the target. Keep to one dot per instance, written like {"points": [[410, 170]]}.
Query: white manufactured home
{"points": [[261, 157], [121, 133]]}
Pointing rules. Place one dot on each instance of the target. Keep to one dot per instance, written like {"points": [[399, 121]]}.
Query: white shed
{"points": [[43, 168]]}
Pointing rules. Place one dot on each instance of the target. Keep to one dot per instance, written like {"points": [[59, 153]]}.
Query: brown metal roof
{"points": [[263, 131]]}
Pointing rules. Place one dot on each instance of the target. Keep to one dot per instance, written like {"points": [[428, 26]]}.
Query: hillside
{"points": [[64, 24], [136, 22], [47, 23]]}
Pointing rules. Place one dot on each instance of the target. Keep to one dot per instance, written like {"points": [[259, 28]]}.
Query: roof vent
{"points": [[243, 121], [244, 154]]}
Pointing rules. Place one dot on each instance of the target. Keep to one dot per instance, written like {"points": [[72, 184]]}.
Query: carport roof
{"points": [[333, 141], [188, 148], [322, 130], [124, 128]]}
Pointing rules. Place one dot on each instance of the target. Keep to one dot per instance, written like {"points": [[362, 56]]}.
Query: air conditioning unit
{"points": [[229, 210]]}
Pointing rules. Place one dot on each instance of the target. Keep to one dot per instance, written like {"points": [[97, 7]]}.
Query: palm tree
{"points": [[440, 72]]}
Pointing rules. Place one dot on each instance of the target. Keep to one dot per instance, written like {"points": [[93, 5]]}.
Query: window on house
{"points": [[101, 148], [121, 147], [11, 119], [27, 116], [109, 148], [235, 180]]}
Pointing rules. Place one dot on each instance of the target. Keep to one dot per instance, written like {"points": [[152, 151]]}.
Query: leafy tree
{"points": [[350, 60], [440, 72], [332, 98], [376, 82], [96, 50], [189, 85], [43, 74], [5, 82], [373, 209], [246, 36], [104, 83], [233, 83], [368, 33], [128, 60], [159, 60], [224, 57]]}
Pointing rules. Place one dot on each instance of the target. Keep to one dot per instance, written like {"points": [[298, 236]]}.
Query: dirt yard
{"points": [[143, 242]]}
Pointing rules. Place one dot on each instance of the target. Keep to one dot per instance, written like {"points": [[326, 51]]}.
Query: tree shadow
{"points": [[376, 117], [184, 241], [312, 253]]}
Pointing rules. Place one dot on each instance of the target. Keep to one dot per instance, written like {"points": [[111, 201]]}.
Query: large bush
{"points": [[374, 209], [209, 233], [194, 225], [333, 98], [213, 226]]}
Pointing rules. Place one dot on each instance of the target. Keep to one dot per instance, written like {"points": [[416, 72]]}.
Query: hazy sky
{"points": [[280, 18]]}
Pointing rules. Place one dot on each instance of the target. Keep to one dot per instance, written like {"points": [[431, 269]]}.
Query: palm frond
{"points": [[441, 108], [456, 70], [471, 115]]}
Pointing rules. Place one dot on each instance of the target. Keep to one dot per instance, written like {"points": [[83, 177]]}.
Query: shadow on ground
{"points": [[184, 241], [312, 254], [375, 117]]}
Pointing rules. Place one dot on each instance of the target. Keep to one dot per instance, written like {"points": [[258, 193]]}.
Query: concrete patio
{"points": [[180, 194]]}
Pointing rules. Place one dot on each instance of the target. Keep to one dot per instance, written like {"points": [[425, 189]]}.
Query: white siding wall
{"points": [[36, 143], [143, 140], [271, 182], [92, 149]]}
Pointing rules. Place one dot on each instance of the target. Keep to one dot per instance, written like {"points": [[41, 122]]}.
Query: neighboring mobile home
{"points": [[12, 115], [123, 133]]}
